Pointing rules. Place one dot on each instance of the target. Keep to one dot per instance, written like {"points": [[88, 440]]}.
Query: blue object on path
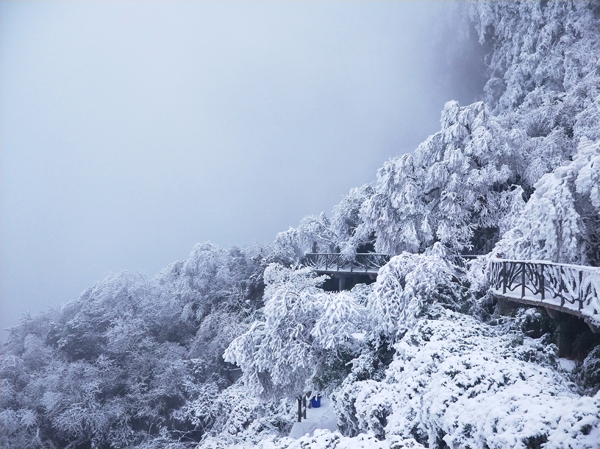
{"points": [[315, 402]]}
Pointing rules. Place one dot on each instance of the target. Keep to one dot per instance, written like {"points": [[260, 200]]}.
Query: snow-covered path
{"points": [[316, 418]]}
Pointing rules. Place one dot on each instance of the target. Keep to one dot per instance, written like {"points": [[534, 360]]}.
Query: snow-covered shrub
{"points": [[533, 322], [457, 382], [344, 399], [478, 275], [322, 439], [588, 373]]}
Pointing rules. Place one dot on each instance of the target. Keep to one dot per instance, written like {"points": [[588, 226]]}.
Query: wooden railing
{"points": [[335, 262], [572, 289]]}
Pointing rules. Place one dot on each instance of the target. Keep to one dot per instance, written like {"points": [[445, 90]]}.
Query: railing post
{"points": [[579, 290], [561, 286], [522, 279], [504, 277], [542, 287]]}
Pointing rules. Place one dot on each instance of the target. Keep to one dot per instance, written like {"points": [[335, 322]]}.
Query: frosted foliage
{"points": [[233, 416], [542, 98], [477, 274], [148, 363], [471, 385], [465, 184], [118, 361], [278, 355], [275, 354], [403, 286], [318, 233], [560, 221], [190, 286], [318, 230], [290, 245], [543, 61], [343, 317], [346, 220], [458, 180], [116, 290], [322, 439], [19, 428], [313, 233]]}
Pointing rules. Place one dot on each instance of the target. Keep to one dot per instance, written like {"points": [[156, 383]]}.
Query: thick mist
{"points": [[131, 131]]}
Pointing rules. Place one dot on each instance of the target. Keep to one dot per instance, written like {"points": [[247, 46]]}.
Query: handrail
{"points": [[336, 262], [338, 254], [570, 288]]}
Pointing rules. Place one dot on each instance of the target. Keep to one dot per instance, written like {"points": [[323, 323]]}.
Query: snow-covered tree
{"points": [[403, 287], [543, 59], [276, 355], [543, 75], [459, 182], [561, 222], [346, 221], [304, 329]]}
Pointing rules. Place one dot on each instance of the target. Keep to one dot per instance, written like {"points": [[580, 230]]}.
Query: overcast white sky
{"points": [[129, 131]]}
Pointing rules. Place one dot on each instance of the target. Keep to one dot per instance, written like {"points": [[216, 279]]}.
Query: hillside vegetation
{"points": [[213, 350]]}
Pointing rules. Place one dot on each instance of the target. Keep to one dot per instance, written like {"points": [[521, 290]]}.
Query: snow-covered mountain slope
{"points": [[420, 358]]}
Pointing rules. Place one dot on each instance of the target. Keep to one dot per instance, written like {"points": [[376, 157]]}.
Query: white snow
{"points": [[316, 418], [567, 365]]}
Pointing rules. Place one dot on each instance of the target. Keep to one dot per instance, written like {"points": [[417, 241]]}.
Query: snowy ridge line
{"points": [[567, 288]]}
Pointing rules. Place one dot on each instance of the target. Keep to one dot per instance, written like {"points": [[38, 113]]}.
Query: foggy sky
{"points": [[129, 131]]}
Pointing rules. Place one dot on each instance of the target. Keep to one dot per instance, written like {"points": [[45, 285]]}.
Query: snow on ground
{"points": [[316, 418], [324, 439], [472, 385], [567, 365], [453, 381], [317, 431]]}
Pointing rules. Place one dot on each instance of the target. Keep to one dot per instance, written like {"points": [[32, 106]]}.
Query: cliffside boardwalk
{"points": [[331, 263], [342, 268], [571, 289]]}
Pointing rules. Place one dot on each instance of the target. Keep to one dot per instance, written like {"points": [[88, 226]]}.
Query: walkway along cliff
{"points": [[570, 289]]}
